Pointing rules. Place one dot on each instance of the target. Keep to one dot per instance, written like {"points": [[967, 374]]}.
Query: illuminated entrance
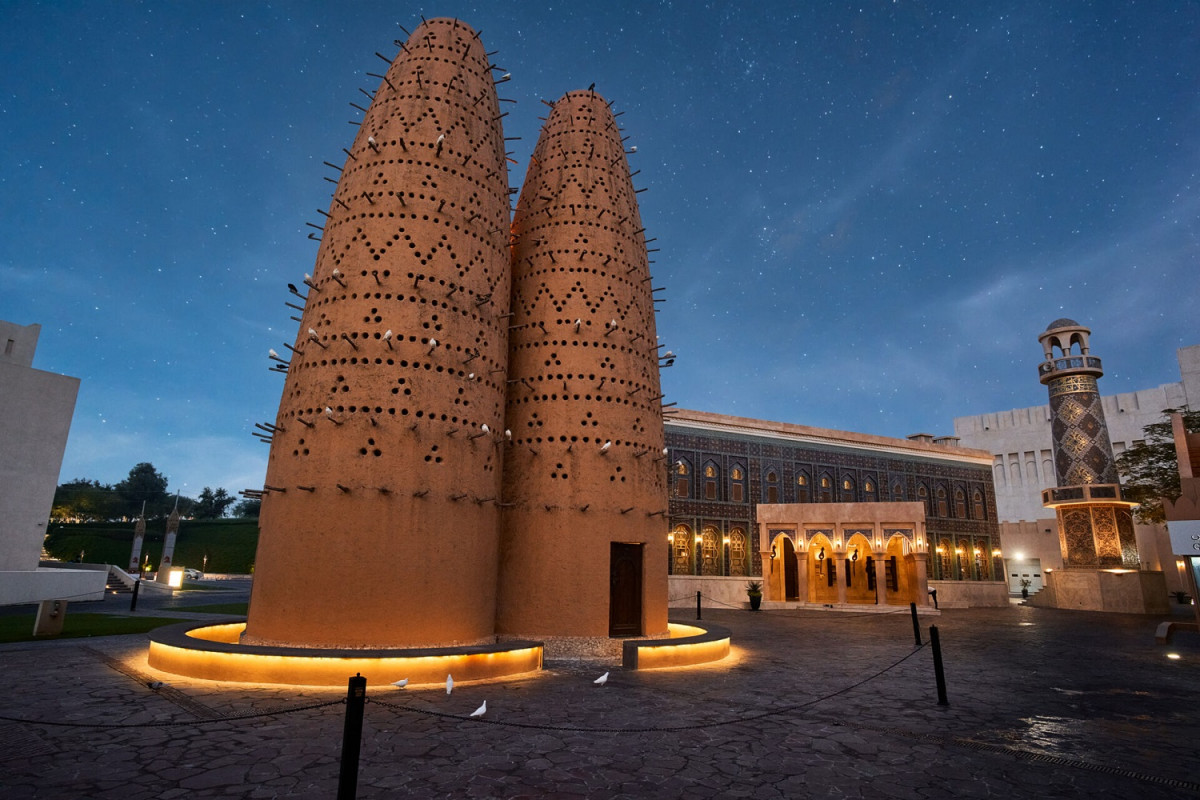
{"points": [[845, 554]]}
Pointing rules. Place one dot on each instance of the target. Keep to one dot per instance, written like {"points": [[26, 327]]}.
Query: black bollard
{"points": [[697, 605], [916, 625], [136, 586], [939, 673], [356, 698]]}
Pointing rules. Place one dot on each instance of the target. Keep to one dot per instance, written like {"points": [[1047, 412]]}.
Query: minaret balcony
{"points": [[1087, 493], [1069, 365]]}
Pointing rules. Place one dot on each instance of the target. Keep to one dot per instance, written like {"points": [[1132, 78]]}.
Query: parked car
{"points": [[192, 574]]}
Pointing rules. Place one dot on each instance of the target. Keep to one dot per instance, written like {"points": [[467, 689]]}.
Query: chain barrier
{"points": [[785, 612], [181, 723], [663, 729]]}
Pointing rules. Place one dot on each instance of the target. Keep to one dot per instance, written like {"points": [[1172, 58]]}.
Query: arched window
{"points": [[737, 553], [710, 551], [681, 550], [923, 497], [682, 479], [964, 559], [977, 503], [826, 489], [710, 481], [737, 485], [897, 491], [772, 486], [802, 486], [847, 490], [960, 504], [869, 490], [945, 556], [943, 506]]}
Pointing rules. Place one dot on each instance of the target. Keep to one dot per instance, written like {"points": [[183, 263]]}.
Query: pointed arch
{"points": [[710, 551], [771, 484], [712, 480], [737, 483], [683, 478], [739, 564], [681, 550]]}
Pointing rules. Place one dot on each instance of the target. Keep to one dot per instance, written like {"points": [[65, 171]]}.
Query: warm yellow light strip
{"points": [[680, 631], [319, 670], [681, 655]]}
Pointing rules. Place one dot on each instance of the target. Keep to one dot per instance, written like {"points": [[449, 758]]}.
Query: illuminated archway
{"points": [[822, 570]]}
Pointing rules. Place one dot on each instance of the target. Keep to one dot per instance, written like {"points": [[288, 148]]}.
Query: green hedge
{"points": [[229, 543]]}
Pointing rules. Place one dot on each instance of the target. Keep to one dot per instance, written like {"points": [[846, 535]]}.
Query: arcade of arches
{"points": [[844, 553]]}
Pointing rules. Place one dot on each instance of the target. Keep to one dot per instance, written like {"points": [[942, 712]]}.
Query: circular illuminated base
{"points": [[214, 652]]}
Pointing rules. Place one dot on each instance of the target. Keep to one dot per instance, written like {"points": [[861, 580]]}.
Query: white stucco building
{"points": [[38, 407]]}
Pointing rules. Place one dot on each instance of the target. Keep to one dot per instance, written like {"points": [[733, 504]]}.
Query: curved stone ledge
{"points": [[690, 643], [211, 651]]}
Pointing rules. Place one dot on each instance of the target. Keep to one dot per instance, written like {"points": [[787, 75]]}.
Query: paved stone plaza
{"points": [[1042, 703]]}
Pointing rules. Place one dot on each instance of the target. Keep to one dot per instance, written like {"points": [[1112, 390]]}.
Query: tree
{"points": [[1150, 470], [146, 485], [83, 500], [211, 504], [247, 509]]}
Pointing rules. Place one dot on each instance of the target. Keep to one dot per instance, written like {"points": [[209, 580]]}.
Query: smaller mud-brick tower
{"points": [[380, 522], [1095, 528], [582, 553]]}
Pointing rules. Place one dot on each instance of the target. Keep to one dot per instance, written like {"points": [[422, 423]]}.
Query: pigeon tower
{"points": [[583, 551], [379, 519]]}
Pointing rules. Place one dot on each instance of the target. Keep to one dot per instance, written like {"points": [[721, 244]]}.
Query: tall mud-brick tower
{"points": [[1095, 528], [380, 522], [582, 553]]}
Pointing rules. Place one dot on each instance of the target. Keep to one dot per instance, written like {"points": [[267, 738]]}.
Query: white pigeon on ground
{"points": [[603, 679], [479, 712], [400, 684], [449, 684]]}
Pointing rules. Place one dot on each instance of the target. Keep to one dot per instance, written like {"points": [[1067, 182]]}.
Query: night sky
{"points": [[866, 213]]}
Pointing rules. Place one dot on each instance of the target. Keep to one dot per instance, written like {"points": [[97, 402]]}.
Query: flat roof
{"points": [[823, 437]]}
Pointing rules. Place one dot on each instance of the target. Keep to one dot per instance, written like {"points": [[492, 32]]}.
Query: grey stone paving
{"points": [[1043, 703]]}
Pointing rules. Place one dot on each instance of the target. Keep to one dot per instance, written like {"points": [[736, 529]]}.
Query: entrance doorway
{"points": [[625, 590], [1028, 570], [791, 579]]}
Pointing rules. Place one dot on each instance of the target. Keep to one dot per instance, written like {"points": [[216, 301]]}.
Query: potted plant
{"points": [[1183, 598], [754, 592], [1025, 584]]}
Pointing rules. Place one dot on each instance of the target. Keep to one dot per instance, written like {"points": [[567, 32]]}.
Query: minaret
{"points": [[584, 485], [1095, 528], [379, 521]]}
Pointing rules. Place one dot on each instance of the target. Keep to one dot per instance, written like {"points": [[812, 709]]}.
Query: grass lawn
{"points": [[238, 609], [189, 586], [19, 627]]}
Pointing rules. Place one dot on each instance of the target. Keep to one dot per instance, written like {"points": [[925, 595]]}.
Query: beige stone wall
{"points": [[1126, 592]]}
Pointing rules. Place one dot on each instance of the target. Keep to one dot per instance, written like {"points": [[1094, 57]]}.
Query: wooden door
{"points": [[625, 590]]}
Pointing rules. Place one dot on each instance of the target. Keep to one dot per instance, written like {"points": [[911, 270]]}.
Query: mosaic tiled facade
{"points": [[1082, 450], [1091, 534], [717, 476]]}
